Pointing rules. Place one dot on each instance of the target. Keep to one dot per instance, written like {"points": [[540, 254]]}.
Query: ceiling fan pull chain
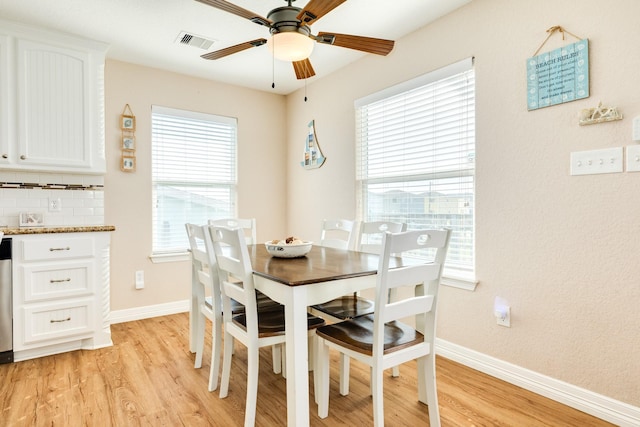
{"points": [[273, 67], [305, 90]]}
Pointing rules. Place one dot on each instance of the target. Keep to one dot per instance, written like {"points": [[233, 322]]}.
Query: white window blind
{"points": [[415, 150], [193, 173]]}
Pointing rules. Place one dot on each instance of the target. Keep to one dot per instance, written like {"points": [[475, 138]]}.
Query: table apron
{"points": [[316, 293]]}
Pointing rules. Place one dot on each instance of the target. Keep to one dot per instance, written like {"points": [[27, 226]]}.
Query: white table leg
{"points": [[193, 314], [297, 357]]}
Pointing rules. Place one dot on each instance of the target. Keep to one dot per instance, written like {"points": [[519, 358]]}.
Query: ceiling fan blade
{"points": [[316, 9], [233, 49], [365, 44], [303, 69], [237, 10]]}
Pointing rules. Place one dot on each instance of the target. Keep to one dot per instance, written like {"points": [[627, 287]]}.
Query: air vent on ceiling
{"points": [[190, 39]]}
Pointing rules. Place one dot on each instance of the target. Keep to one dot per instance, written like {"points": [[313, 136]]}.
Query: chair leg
{"points": [[316, 367], [200, 340], [377, 395], [427, 388], [276, 358], [216, 348], [283, 353], [322, 365], [344, 374], [226, 365], [395, 371], [253, 358], [310, 352]]}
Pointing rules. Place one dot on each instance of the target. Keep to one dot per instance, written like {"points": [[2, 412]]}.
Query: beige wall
{"points": [[564, 251], [261, 175]]}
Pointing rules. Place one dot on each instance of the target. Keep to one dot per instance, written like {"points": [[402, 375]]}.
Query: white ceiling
{"points": [[144, 32]]}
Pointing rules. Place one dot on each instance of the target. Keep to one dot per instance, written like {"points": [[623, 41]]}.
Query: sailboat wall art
{"points": [[313, 157]]}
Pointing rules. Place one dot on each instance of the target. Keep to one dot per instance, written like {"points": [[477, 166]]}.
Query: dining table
{"points": [[321, 275]]}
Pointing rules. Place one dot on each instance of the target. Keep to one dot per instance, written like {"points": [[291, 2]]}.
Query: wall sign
{"points": [[558, 76], [128, 140]]}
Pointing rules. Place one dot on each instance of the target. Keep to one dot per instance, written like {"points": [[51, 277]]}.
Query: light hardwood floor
{"points": [[147, 379]]}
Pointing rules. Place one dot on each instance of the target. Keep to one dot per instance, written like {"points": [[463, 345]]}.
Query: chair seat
{"points": [[271, 322], [357, 335], [264, 303], [347, 307]]}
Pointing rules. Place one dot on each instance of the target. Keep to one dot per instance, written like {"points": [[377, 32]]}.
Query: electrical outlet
{"points": [[503, 316], [140, 279], [55, 204]]}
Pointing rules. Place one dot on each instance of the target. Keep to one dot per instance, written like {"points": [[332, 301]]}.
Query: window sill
{"points": [[460, 282], [173, 257]]}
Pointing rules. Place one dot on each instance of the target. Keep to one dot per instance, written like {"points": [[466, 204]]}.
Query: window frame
{"points": [[174, 254], [464, 279]]}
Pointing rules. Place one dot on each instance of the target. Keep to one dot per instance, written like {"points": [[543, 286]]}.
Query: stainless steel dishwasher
{"points": [[6, 303]]}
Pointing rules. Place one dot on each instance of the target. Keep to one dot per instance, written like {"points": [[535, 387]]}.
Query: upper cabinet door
{"points": [[51, 101], [5, 147], [53, 118]]}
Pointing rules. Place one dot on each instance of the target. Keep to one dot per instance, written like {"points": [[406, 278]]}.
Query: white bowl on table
{"points": [[294, 250]]}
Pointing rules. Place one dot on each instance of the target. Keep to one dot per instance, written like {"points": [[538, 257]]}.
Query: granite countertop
{"points": [[12, 231]]}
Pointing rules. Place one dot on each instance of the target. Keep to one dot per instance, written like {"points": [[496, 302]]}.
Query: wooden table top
{"points": [[319, 265]]}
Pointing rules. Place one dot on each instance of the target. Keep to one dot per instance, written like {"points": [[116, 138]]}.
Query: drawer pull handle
{"points": [[68, 279], [59, 321], [60, 249]]}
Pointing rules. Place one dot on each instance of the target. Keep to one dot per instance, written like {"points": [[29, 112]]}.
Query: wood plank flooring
{"points": [[147, 379]]}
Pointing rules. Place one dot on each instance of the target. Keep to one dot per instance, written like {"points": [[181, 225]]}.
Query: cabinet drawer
{"points": [[51, 321], [45, 282], [52, 248]]}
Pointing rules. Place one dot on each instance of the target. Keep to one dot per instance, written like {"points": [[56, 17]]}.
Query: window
{"points": [[415, 152], [193, 173]]}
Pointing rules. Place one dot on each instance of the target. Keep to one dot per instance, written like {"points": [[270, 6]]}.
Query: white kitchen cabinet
{"points": [[52, 115], [60, 293]]}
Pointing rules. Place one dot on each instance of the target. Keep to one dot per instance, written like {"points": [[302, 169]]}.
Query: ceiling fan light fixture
{"points": [[290, 46]]}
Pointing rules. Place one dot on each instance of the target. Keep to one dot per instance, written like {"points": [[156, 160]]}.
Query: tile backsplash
{"points": [[81, 198]]}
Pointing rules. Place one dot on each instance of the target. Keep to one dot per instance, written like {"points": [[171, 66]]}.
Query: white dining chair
{"points": [[369, 236], [381, 340], [248, 226], [254, 329], [206, 291]]}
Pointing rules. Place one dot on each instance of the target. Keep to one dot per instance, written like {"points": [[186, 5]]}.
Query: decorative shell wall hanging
{"points": [[599, 114]]}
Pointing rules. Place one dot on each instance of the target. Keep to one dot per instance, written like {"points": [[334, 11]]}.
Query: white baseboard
{"points": [[599, 406], [138, 313]]}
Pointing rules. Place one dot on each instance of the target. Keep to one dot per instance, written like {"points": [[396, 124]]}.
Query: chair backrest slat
{"points": [[408, 307], [248, 225], [338, 233], [417, 274], [370, 234]]}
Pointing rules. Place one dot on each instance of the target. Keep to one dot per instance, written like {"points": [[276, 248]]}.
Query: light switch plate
{"points": [[592, 162], [633, 158]]}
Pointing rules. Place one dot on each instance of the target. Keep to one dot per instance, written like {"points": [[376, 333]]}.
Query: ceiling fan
{"points": [[291, 37]]}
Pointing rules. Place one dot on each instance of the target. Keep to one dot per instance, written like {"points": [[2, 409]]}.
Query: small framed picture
{"points": [[128, 142], [128, 122], [31, 219], [128, 164]]}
